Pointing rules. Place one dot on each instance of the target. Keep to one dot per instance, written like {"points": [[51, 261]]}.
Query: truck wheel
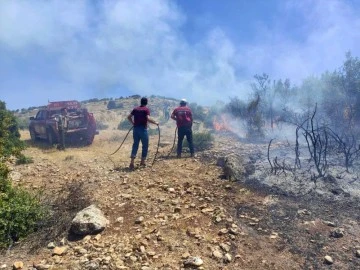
{"points": [[50, 137], [32, 135], [89, 140]]}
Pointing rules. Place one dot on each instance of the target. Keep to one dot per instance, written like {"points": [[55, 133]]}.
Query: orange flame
{"points": [[221, 123]]}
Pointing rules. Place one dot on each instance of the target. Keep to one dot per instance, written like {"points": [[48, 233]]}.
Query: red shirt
{"points": [[183, 116], [140, 116]]}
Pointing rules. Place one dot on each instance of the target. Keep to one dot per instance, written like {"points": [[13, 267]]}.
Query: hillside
{"points": [[178, 208]]}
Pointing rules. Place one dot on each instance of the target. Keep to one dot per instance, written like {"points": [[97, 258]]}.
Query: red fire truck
{"points": [[81, 124]]}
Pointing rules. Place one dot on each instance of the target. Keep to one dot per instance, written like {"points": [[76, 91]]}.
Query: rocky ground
{"points": [[182, 213]]}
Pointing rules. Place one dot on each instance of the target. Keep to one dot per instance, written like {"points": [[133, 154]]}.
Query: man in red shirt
{"points": [[139, 117], [183, 117]]}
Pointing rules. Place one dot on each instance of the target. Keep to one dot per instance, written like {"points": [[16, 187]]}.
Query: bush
{"points": [[22, 159], [101, 125], [22, 123], [202, 141], [124, 125], [111, 105], [10, 143], [20, 211]]}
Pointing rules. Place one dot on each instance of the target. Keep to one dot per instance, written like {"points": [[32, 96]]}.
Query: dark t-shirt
{"points": [[183, 116], [140, 116]]}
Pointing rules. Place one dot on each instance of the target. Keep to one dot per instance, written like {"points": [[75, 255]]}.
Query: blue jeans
{"points": [[140, 133], [182, 132]]}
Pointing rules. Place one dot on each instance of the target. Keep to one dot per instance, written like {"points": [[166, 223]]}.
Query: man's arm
{"points": [[173, 116], [130, 119], [152, 120]]}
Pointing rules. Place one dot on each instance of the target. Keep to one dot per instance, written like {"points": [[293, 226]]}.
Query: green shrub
{"points": [[20, 210], [22, 123], [202, 141], [20, 214], [101, 125], [124, 125], [10, 143], [22, 159], [111, 105]]}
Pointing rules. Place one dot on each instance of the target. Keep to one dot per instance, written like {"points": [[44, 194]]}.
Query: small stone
{"points": [[60, 250], [97, 237], [217, 254], [225, 247], [171, 190], [328, 259], [139, 220], [42, 266], [63, 242], [234, 231], [227, 258], [133, 258], [51, 245], [337, 233], [185, 255], [3, 266], [18, 265], [223, 231], [193, 261], [357, 253], [87, 238], [120, 220], [142, 249], [330, 224], [82, 251]]}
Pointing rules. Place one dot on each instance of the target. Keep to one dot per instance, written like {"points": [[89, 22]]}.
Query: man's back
{"points": [[183, 116], [140, 114]]}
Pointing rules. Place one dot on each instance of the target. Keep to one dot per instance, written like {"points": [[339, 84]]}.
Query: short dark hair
{"points": [[143, 101]]}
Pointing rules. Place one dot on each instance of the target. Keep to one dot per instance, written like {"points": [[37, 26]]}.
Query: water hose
{"points": [[122, 141], [157, 149]]}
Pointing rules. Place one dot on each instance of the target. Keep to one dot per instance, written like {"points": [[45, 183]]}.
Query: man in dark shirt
{"points": [[139, 117], [183, 117], [63, 124]]}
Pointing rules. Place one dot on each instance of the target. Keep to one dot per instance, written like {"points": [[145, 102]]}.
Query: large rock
{"points": [[90, 220]]}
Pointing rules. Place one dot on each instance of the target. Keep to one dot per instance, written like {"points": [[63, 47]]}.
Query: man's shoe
{"points": [[178, 155], [143, 164], [131, 166]]}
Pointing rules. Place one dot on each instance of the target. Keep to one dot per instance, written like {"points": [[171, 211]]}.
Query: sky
{"points": [[201, 50]]}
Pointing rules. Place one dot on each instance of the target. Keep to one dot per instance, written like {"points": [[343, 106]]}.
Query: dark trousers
{"points": [[140, 133], [182, 132]]}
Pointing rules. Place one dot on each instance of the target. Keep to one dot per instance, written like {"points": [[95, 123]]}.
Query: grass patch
{"points": [[201, 140]]}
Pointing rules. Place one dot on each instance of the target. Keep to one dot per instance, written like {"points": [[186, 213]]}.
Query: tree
{"points": [[111, 105], [10, 143]]}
